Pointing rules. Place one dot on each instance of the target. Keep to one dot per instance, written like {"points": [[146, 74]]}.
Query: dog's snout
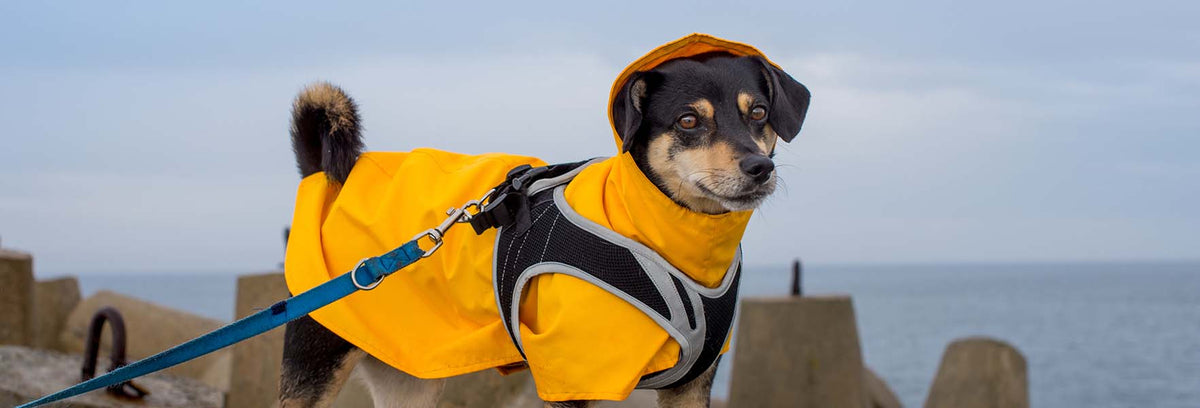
{"points": [[757, 167]]}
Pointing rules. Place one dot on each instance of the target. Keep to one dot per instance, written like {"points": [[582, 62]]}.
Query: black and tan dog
{"points": [[696, 122]]}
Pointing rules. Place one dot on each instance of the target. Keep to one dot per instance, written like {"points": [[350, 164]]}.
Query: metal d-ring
{"points": [[354, 277]]}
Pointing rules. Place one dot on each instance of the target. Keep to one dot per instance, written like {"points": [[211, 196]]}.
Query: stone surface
{"points": [[980, 372], [27, 373], [797, 352], [256, 361], [878, 394], [53, 301], [16, 297], [150, 328]]}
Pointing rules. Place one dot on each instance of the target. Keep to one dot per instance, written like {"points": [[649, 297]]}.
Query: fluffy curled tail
{"points": [[325, 131]]}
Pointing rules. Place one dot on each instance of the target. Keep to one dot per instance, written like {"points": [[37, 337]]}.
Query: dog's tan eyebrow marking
{"points": [[744, 100], [769, 139], [703, 107]]}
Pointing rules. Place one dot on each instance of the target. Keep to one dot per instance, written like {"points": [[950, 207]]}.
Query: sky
{"points": [[152, 137]]}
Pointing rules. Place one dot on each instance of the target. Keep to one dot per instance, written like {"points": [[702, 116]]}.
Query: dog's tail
{"points": [[325, 131]]}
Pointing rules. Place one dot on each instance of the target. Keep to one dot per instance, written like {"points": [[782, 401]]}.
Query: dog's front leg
{"points": [[694, 394]]}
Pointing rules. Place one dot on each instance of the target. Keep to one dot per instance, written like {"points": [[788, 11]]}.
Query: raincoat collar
{"points": [[701, 245]]}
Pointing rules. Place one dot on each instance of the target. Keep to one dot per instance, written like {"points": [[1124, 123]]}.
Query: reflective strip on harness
{"points": [[696, 317]]}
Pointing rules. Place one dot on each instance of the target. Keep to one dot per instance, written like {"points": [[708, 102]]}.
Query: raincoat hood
{"points": [[689, 46], [438, 317]]}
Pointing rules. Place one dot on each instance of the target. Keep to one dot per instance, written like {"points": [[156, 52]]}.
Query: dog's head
{"points": [[704, 128]]}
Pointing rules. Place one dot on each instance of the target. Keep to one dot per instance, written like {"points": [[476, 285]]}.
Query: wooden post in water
{"points": [[797, 287]]}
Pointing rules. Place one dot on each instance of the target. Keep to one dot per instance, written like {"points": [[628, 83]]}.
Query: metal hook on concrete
{"points": [[116, 356]]}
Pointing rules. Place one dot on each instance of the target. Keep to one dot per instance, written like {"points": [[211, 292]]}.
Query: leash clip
{"points": [[454, 216], [477, 205]]}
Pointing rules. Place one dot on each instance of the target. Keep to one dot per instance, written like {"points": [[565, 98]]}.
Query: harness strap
{"points": [[368, 272]]}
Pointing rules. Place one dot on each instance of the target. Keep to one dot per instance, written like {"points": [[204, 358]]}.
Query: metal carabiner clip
{"points": [[476, 204], [453, 216]]}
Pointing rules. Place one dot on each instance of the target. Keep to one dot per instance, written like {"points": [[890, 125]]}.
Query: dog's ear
{"points": [[789, 101], [627, 108]]}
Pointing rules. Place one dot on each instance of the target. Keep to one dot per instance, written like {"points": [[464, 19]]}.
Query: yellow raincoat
{"points": [[438, 317]]}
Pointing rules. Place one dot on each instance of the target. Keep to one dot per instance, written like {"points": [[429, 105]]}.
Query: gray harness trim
{"points": [[538, 186], [685, 319]]}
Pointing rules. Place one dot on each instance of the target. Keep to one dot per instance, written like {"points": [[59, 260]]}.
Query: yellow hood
{"points": [[688, 46], [438, 317]]}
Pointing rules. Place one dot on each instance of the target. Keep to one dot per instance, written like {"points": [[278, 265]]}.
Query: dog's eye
{"points": [[758, 113], [688, 121]]}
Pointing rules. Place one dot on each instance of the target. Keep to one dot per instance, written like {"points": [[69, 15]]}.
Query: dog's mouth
{"points": [[747, 197]]}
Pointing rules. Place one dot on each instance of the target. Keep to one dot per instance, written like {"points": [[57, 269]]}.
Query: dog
{"points": [[696, 120]]}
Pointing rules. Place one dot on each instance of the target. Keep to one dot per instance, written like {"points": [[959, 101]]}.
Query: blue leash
{"points": [[371, 270]]}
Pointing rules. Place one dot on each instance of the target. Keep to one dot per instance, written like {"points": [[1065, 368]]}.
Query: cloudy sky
{"points": [[153, 136]]}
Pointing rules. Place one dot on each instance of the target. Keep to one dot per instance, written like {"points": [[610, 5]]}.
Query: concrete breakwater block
{"points": [[53, 301], [16, 297], [150, 328], [980, 372], [878, 394], [797, 352], [254, 381], [254, 370], [27, 373]]}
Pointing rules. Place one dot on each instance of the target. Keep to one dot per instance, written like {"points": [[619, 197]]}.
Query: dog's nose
{"points": [[757, 167]]}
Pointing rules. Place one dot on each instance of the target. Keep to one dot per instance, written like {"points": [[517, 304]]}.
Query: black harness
{"points": [[540, 233]]}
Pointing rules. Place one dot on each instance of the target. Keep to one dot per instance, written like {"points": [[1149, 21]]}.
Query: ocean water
{"points": [[1093, 335]]}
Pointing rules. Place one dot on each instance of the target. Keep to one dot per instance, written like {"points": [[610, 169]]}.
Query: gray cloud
{"points": [[143, 143]]}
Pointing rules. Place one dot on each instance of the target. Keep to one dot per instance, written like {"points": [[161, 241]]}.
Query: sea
{"points": [[1110, 335]]}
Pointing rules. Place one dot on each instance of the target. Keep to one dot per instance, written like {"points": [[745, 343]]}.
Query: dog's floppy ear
{"points": [[627, 108], [789, 101]]}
